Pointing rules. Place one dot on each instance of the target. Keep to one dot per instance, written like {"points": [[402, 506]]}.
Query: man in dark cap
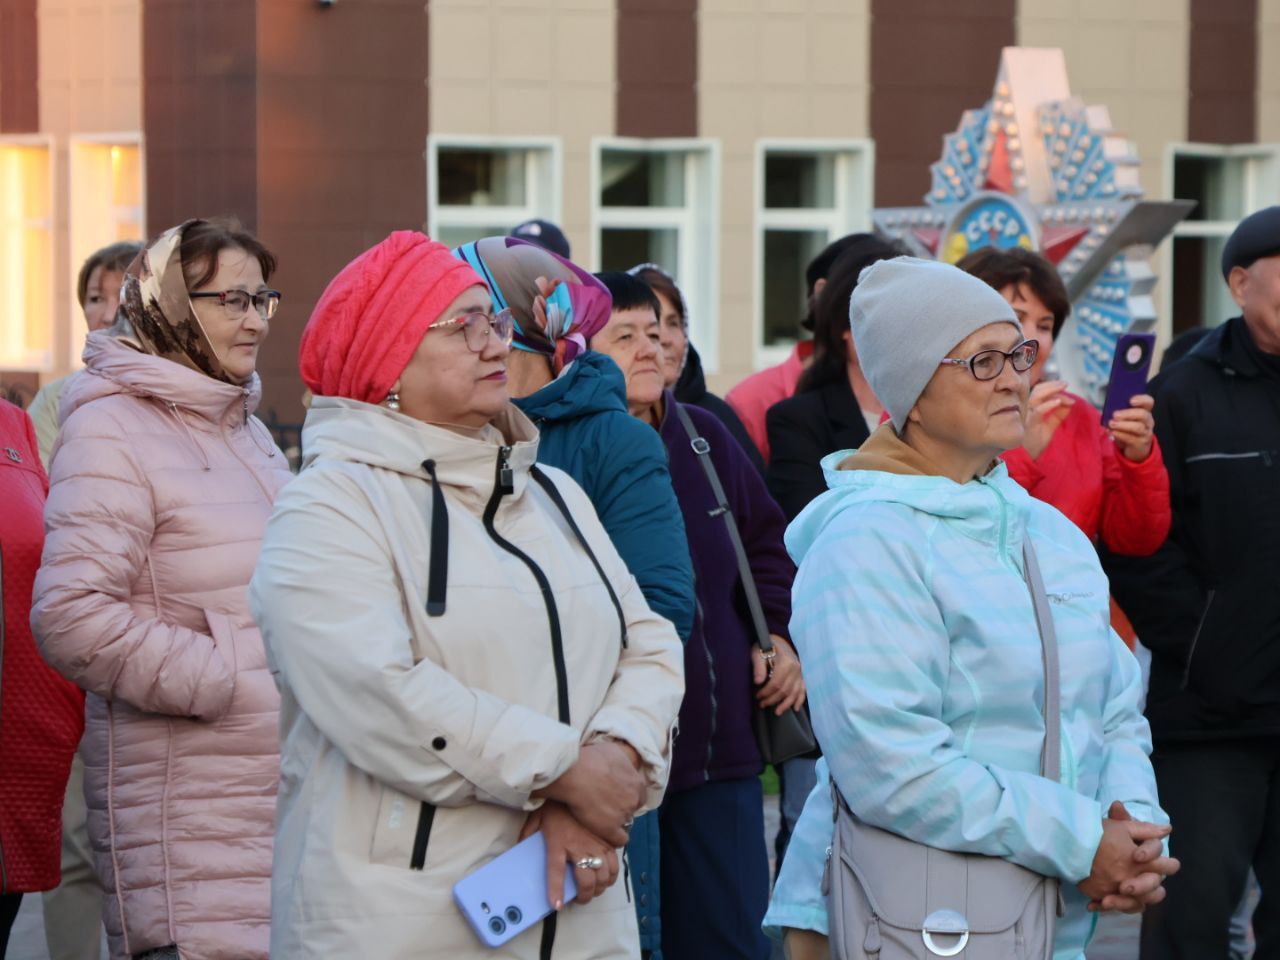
{"points": [[1207, 604], [545, 234]]}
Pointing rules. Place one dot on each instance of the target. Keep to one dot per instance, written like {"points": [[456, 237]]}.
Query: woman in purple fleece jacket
{"points": [[715, 868]]}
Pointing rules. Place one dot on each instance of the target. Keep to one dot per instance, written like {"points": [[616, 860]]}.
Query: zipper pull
{"points": [[826, 874], [245, 398], [506, 478]]}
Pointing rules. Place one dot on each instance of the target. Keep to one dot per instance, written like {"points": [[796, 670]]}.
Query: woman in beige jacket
{"points": [[463, 658]]}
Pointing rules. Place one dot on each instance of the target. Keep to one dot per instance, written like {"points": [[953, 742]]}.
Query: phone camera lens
{"points": [[514, 915], [497, 925]]}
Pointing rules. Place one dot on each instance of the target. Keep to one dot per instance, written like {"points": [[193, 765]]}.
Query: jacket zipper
{"points": [[1195, 639], [1263, 455], [711, 694], [504, 483], [426, 816]]}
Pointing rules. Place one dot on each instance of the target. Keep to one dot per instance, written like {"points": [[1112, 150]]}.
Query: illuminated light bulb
{"points": [[1011, 129]]}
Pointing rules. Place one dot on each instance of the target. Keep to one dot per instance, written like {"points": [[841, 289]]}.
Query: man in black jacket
{"points": [[1207, 604]]}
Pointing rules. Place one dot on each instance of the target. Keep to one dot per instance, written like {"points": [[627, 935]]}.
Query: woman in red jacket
{"points": [[41, 714], [1109, 480]]}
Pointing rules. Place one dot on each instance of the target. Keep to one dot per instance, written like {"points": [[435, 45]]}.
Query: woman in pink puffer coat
{"points": [[162, 483]]}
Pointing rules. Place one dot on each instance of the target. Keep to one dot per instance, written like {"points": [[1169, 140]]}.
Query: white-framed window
{"points": [[1227, 183], [483, 186], [26, 253], [657, 201], [108, 204], [807, 193]]}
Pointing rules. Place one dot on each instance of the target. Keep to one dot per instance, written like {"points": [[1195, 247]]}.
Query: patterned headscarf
{"points": [[578, 309], [156, 315]]}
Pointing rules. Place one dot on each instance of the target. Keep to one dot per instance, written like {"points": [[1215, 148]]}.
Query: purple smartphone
{"points": [[1129, 371]]}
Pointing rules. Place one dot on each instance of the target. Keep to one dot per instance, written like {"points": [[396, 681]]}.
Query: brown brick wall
{"points": [[1223, 104], [19, 74], [307, 123], [657, 44], [930, 61], [342, 134]]}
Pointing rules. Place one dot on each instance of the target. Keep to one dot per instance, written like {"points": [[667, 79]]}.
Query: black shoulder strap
{"points": [[550, 489], [703, 449]]}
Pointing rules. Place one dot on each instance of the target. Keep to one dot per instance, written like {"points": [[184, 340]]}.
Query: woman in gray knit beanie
{"points": [[913, 615]]}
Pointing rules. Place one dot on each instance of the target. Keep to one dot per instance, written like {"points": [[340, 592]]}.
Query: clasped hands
{"points": [[587, 816], [1130, 866]]}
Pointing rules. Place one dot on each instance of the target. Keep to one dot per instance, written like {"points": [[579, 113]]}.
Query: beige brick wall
{"points": [[90, 83], [1269, 71], [1128, 55], [528, 67], [771, 68]]}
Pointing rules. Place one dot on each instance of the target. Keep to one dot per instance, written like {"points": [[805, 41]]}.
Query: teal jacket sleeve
{"points": [[637, 506], [1126, 768], [876, 655]]}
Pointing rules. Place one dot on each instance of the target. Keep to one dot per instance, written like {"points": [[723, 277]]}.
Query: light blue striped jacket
{"points": [[923, 663]]}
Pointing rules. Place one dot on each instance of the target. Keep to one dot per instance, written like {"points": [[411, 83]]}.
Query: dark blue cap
{"points": [[1256, 236], [545, 234]]}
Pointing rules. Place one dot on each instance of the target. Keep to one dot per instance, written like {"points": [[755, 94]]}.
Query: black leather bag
{"points": [[779, 737]]}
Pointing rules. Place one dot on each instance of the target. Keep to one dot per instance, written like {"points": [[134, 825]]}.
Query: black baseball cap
{"points": [[545, 234]]}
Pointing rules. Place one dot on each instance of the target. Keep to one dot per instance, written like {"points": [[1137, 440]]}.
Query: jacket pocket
{"points": [[239, 644], [403, 831]]}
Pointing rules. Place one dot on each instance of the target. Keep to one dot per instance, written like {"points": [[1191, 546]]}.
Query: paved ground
{"points": [[1117, 938]]}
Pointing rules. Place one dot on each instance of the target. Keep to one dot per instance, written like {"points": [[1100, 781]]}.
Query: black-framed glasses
{"points": [[478, 325], [989, 364], [266, 302]]}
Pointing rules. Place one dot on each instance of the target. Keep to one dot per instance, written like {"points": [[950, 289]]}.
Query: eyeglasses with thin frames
{"points": [[989, 364], [478, 325], [265, 302]]}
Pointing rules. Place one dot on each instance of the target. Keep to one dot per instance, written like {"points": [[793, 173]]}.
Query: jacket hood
{"points": [[692, 385], [989, 509], [113, 367], [591, 384], [348, 430]]}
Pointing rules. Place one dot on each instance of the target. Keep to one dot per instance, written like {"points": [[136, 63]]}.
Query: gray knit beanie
{"points": [[906, 315]]}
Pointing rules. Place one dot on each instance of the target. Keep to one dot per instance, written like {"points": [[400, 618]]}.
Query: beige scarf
{"points": [[156, 315]]}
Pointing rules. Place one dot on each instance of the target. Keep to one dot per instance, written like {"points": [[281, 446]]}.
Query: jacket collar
{"points": [[1231, 348], [340, 429], [114, 367]]}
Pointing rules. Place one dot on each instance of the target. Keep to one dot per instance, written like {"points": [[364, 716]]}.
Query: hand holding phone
{"points": [[1127, 412], [508, 895]]}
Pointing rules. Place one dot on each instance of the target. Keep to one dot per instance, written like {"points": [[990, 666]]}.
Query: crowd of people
{"points": [[522, 585]]}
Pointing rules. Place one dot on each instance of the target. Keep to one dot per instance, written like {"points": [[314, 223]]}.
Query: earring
{"points": [[393, 400]]}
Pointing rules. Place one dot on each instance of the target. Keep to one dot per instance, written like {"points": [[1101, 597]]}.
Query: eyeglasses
{"points": [[989, 364], [266, 302], [478, 325]]}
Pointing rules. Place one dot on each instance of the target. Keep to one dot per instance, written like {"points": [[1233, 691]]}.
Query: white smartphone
{"points": [[508, 895]]}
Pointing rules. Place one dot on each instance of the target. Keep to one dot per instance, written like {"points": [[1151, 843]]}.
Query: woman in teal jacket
{"points": [[918, 635], [578, 401]]}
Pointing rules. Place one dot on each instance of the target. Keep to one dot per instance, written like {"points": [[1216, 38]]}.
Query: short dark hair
{"points": [[819, 267], [831, 308], [114, 258], [203, 240], [1014, 266], [662, 283], [629, 292]]}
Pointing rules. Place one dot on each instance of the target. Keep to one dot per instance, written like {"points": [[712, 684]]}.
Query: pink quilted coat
{"points": [[162, 484]]}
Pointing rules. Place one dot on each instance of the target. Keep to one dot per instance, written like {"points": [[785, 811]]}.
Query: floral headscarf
{"points": [[577, 310], [156, 315]]}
